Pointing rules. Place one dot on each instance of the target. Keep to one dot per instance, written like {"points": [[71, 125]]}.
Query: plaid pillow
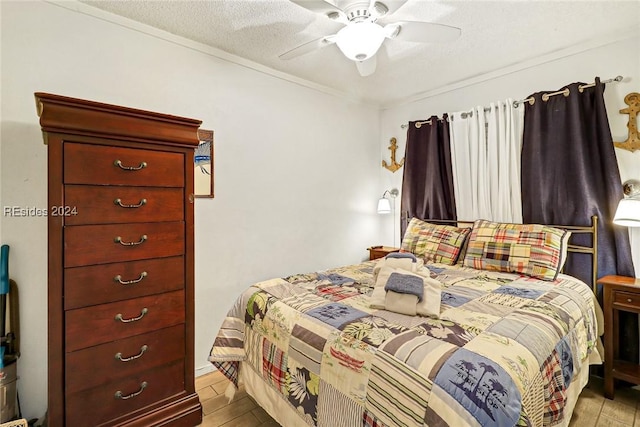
{"points": [[433, 242], [531, 249]]}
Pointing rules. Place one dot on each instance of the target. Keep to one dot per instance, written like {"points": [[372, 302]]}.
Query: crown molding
{"points": [[130, 24], [85, 9], [619, 36]]}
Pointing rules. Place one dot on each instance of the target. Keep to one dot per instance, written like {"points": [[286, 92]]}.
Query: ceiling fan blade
{"points": [[367, 67], [308, 47], [323, 7], [418, 31]]}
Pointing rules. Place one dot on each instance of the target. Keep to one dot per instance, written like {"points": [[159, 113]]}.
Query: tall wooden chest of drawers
{"points": [[120, 228]]}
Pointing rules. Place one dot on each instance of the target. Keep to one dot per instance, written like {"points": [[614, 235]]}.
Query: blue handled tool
{"points": [[4, 270], [4, 290]]}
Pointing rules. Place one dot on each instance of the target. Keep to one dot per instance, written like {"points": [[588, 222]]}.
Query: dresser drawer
{"points": [[104, 165], [627, 299], [95, 204], [98, 405], [101, 244], [104, 323], [98, 284], [101, 364]]}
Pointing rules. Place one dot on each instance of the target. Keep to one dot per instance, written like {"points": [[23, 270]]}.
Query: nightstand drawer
{"points": [[627, 299], [621, 297], [376, 252]]}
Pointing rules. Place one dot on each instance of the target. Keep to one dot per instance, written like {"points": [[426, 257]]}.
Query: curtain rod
{"points": [[546, 96], [418, 124], [516, 104]]}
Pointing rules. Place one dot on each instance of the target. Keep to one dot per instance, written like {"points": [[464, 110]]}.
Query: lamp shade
{"points": [[384, 206], [628, 213], [360, 41]]}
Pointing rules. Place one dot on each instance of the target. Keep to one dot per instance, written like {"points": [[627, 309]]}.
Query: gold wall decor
{"points": [[394, 166], [633, 140]]}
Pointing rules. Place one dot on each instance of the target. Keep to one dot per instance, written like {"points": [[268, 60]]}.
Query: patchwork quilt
{"points": [[502, 352]]}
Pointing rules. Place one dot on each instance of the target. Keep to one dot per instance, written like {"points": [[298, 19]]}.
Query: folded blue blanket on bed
{"points": [[401, 255], [405, 284]]}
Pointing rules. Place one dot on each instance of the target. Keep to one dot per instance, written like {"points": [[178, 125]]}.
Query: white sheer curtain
{"points": [[485, 156]]}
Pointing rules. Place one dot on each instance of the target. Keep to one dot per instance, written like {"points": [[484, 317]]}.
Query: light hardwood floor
{"points": [[216, 411], [591, 410]]}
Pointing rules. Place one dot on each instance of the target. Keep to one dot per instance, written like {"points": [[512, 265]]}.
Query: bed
{"points": [[496, 336]]}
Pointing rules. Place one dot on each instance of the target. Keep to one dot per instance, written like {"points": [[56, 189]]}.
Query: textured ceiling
{"points": [[495, 35]]}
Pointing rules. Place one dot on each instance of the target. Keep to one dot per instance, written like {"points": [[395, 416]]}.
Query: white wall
{"points": [[296, 177], [550, 73], [297, 170]]}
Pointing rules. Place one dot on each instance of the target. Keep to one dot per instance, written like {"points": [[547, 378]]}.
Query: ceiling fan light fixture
{"points": [[360, 41]]}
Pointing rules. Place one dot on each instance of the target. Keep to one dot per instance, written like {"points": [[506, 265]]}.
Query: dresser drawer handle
{"points": [[118, 279], [118, 163], [629, 300], [133, 319], [119, 394], [118, 239], [128, 359], [139, 205]]}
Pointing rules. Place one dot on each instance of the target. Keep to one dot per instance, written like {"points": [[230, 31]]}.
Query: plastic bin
{"points": [[8, 390]]}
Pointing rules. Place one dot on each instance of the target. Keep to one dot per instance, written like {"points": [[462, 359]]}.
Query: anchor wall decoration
{"points": [[633, 140], [394, 166]]}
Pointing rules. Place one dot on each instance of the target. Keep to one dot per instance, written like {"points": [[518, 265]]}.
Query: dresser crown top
{"points": [[62, 114]]}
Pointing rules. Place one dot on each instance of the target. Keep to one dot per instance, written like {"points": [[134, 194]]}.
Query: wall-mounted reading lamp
{"points": [[628, 212], [385, 206]]}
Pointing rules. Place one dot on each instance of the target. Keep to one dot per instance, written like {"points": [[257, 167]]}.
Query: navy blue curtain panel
{"points": [[427, 184], [569, 173]]}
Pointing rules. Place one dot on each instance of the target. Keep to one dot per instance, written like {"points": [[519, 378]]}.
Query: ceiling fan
{"points": [[367, 25]]}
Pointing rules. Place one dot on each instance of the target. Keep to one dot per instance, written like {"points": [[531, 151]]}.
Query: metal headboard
{"points": [[573, 248]]}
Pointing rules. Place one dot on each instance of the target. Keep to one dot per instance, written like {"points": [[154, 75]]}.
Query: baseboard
{"points": [[203, 370]]}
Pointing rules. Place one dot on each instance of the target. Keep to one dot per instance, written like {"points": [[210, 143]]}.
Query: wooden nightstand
{"points": [[620, 294], [376, 252]]}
